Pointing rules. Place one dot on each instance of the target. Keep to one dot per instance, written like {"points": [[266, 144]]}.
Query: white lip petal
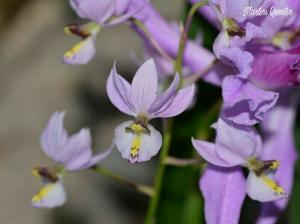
{"points": [[263, 188], [82, 52], [148, 144], [50, 196]]}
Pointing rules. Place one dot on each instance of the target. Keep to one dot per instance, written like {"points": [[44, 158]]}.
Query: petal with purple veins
{"points": [[118, 90], [137, 148], [235, 144], [144, 87], [180, 103], [245, 103], [54, 136], [77, 153], [164, 99], [207, 151], [224, 193], [95, 10]]}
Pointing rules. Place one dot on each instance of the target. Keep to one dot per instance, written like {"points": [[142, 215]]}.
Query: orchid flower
{"points": [[138, 140], [71, 153], [228, 45], [238, 145], [101, 13], [235, 33]]}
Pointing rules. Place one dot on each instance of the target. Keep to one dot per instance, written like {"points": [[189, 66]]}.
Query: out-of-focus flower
{"points": [[137, 140], [238, 145], [275, 69], [165, 67], [52, 194], [277, 128], [196, 58], [71, 153], [244, 103], [102, 13], [283, 31]]}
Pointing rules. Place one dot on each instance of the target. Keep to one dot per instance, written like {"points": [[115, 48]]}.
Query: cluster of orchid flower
{"points": [[256, 62]]}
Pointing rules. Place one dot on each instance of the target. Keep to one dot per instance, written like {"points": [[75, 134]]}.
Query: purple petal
{"points": [[164, 99], [77, 153], [224, 192], [118, 90], [82, 52], [73, 152], [121, 6], [234, 9], [54, 136], [180, 103], [241, 59], [230, 49], [245, 103], [95, 10], [253, 31], [235, 144], [282, 69], [207, 150], [101, 156], [127, 15], [144, 87]]}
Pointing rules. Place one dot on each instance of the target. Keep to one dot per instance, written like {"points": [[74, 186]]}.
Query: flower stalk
{"points": [[150, 216], [154, 43], [147, 190], [184, 36]]}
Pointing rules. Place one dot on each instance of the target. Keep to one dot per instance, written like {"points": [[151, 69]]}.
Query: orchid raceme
{"points": [[137, 140], [237, 145], [71, 153], [101, 13], [252, 59]]}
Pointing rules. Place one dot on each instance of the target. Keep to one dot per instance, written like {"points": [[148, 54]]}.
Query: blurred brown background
{"points": [[33, 84]]}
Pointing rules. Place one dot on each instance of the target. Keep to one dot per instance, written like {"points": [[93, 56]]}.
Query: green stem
{"points": [[173, 161], [116, 177], [150, 216], [184, 36], [153, 206], [154, 43]]}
